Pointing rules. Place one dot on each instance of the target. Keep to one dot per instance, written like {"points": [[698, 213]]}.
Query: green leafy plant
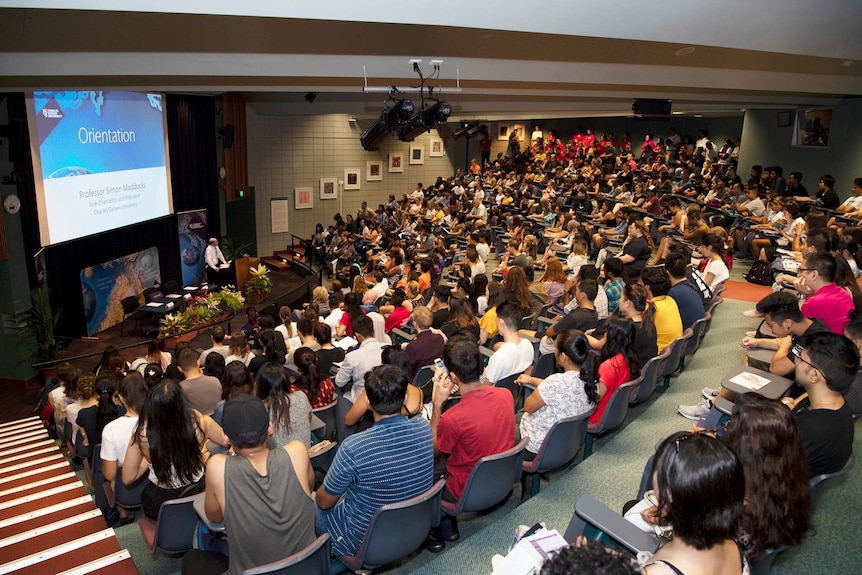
{"points": [[230, 298], [233, 248], [41, 323], [175, 323], [259, 282]]}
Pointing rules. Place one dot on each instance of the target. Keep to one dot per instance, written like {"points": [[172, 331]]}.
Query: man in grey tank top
{"points": [[263, 496]]}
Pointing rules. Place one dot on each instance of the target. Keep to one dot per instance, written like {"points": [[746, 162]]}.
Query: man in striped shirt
{"points": [[391, 462]]}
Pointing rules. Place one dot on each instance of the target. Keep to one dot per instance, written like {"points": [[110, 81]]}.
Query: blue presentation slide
{"points": [[103, 161]]}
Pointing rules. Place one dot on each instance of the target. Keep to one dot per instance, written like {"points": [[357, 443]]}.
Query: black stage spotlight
{"points": [[390, 119], [437, 114], [310, 97], [424, 120]]}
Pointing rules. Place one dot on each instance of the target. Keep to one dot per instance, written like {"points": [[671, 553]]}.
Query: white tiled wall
{"points": [[285, 152]]}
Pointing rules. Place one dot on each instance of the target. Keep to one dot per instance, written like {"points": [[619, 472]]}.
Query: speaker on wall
{"points": [[228, 135]]}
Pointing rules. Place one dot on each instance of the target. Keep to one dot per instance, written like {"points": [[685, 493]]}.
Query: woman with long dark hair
{"points": [[560, 395], [618, 362], [169, 443], [764, 436], [461, 319], [92, 420], [316, 384], [289, 412], [700, 490], [352, 311]]}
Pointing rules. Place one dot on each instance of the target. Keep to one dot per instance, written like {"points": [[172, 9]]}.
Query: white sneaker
{"points": [[695, 412], [710, 392]]}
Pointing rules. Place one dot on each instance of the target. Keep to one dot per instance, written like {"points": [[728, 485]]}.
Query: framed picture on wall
{"points": [[417, 155], [351, 179], [303, 199], [328, 188], [396, 163], [436, 149], [502, 132], [374, 171], [521, 131]]}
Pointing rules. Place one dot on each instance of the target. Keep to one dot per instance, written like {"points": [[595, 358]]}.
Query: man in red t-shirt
{"points": [[481, 424], [485, 145]]}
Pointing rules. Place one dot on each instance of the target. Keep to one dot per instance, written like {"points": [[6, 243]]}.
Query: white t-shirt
{"points": [[246, 360], [509, 359], [854, 202], [334, 318], [564, 396], [116, 437], [719, 269], [72, 417], [282, 329], [483, 250]]}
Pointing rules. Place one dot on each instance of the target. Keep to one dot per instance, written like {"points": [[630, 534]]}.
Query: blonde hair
{"points": [[412, 289], [359, 285], [320, 294], [640, 225], [530, 245]]}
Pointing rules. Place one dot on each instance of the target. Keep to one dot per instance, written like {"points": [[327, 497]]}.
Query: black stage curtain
{"points": [[194, 179]]}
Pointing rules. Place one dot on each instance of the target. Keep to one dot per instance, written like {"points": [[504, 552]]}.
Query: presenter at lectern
{"points": [[218, 269]]}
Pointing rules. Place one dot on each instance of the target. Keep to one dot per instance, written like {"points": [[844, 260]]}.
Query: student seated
{"points": [[700, 489]]}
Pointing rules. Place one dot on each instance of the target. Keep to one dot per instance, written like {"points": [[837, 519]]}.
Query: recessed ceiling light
{"points": [[685, 51], [698, 115], [847, 63], [677, 113]]}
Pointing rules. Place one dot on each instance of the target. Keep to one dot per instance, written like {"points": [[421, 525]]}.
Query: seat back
{"points": [[546, 365], [424, 380], [649, 375], [716, 301], [672, 362], [128, 496], [615, 410], [171, 286], [326, 414], [313, 560], [561, 444], [697, 329], [491, 481], [398, 529], [175, 527], [129, 304], [818, 482], [514, 388]]}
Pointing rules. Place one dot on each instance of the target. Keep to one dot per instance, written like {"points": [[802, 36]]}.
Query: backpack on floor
{"points": [[759, 273]]}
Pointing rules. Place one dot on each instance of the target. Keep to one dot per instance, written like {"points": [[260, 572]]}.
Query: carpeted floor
{"points": [[744, 291]]}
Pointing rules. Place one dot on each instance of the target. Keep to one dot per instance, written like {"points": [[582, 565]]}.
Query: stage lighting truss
{"points": [[431, 115]]}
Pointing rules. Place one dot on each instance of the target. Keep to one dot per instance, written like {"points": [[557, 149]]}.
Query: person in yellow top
{"points": [[668, 322]]}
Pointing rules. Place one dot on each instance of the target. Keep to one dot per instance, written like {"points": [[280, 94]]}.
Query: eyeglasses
{"points": [[806, 269], [799, 357]]}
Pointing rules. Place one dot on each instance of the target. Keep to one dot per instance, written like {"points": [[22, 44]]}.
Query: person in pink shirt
{"points": [[830, 303]]}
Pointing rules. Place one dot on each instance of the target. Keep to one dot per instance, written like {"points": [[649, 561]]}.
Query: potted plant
{"points": [[41, 323], [258, 285], [233, 249]]}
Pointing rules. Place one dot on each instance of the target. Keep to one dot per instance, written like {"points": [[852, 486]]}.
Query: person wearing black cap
{"points": [[263, 496]]}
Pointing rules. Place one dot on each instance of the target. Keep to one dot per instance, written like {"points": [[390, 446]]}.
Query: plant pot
{"points": [[256, 298]]}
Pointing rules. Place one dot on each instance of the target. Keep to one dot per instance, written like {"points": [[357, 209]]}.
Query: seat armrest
{"points": [[617, 527]]}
